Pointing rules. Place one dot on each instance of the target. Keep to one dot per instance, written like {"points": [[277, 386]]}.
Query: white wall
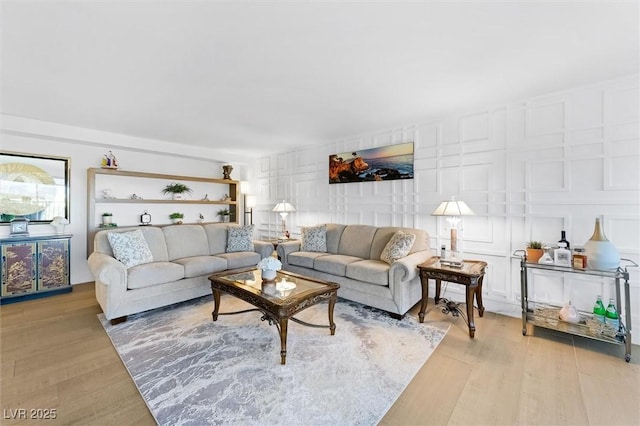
{"points": [[85, 148], [528, 169]]}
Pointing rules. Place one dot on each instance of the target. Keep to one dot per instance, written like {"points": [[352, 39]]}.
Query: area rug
{"points": [[193, 371]]}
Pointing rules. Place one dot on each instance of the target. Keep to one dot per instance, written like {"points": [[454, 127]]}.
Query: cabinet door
{"points": [[53, 264], [18, 268]]}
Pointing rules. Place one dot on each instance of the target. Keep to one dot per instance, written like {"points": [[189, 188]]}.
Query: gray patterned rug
{"points": [[193, 371]]}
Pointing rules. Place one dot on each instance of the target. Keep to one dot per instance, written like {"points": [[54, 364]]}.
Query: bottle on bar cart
{"points": [[611, 316], [599, 310], [563, 239]]}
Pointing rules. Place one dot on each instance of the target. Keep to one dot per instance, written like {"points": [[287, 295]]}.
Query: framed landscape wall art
{"points": [[376, 164]]}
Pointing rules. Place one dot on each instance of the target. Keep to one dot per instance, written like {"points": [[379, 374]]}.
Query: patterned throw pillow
{"points": [[398, 247], [130, 248], [314, 238], [239, 238]]}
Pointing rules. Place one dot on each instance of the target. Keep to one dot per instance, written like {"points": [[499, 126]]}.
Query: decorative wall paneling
{"points": [[528, 169]]}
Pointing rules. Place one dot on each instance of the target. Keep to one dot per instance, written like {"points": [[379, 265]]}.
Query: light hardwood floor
{"points": [[56, 355]]}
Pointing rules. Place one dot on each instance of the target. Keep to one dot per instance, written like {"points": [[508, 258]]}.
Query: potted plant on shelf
{"points": [[534, 251], [176, 190], [224, 215], [176, 218], [107, 219]]}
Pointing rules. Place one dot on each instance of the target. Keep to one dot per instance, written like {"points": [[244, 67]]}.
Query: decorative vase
{"points": [[226, 171], [601, 253], [107, 220], [59, 229], [268, 275], [533, 255]]}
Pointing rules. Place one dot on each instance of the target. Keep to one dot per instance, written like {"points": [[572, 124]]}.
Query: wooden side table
{"points": [[470, 275]]}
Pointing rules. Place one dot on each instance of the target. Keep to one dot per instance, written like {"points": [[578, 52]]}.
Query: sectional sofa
{"points": [[142, 268], [376, 266]]}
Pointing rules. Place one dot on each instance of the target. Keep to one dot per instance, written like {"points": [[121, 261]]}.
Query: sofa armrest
{"points": [[406, 269], [107, 270], [285, 248], [263, 248]]}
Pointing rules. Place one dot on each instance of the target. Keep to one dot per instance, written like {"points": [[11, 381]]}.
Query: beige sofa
{"points": [[353, 260], [183, 257]]}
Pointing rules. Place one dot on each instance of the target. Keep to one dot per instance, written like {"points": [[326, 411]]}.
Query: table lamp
{"points": [[284, 208], [452, 210]]}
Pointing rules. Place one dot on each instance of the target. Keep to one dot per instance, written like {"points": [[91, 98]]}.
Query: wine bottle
{"points": [[563, 239]]}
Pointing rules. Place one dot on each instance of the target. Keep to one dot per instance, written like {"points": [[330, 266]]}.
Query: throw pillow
{"points": [[130, 248], [239, 238], [314, 238], [398, 246]]}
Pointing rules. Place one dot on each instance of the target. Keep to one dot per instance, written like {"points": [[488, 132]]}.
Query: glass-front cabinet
{"points": [[546, 315], [34, 267]]}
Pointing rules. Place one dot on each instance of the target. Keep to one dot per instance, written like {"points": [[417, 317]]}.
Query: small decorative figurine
{"points": [[136, 197], [106, 193], [226, 171], [109, 161]]}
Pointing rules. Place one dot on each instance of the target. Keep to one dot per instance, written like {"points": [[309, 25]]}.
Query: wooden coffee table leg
{"points": [[471, 291], [425, 297], [216, 304], [284, 322], [332, 304]]}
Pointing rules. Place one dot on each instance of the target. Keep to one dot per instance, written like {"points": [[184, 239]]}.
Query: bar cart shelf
{"points": [[540, 318]]}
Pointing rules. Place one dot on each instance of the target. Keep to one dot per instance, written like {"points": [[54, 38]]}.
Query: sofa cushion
{"points": [[335, 264], [398, 246], [185, 241], [239, 238], [356, 241], [384, 234], [130, 248], [334, 233], [304, 258], [369, 271], [150, 274], [240, 259], [314, 238], [196, 266], [217, 237]]}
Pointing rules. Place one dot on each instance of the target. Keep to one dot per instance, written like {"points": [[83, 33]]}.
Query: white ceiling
{"points": [[257, 77]]}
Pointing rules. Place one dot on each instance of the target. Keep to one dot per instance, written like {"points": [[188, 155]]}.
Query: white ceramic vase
{"points": [[268, 274], [601, 253]]}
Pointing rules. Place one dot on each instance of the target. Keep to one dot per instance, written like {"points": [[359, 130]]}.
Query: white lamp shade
{"points": [[244, 187], [284, 207], [250, 201], [452, 208]]}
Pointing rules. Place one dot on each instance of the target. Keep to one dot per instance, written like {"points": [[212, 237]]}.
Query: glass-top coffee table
{"points": [[278, 300]]}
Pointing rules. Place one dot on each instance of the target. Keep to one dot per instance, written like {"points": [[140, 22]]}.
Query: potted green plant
{"points": [[176, 217], [224, 214], [534, 251], [176, 190], [107, 219]]}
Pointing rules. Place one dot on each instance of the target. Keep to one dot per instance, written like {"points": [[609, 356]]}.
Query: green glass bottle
{"points": [[611, 317], [599, 310]]}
